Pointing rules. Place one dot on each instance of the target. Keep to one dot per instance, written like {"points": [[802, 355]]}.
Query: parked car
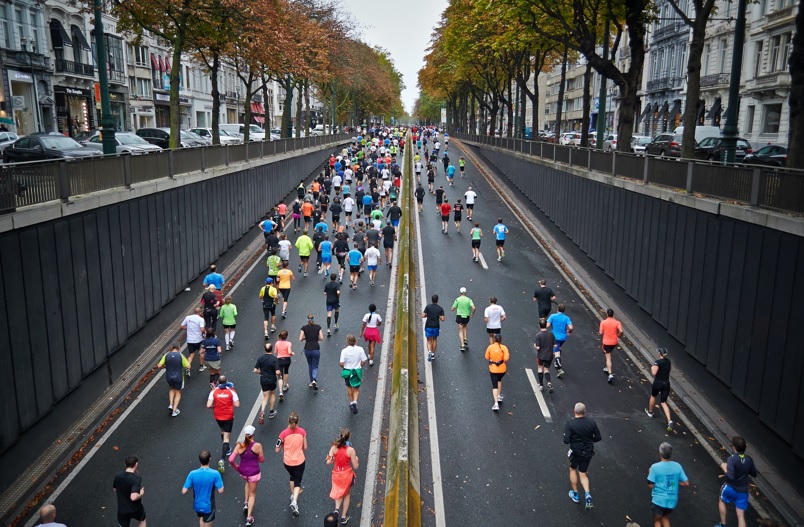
{"points": [[610, 143], [84, 135], [711, 149], [226, 137], [6, 138], [127, 144], [255, 133], [769, 155], [45, 147], [665, 145], [639, 142], [161, 137], [567, 138], [701, 132]]}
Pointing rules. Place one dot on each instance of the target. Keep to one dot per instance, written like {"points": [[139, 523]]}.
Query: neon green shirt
{"points": [[273, 263], [461, 162], [228, 314], [305, 245], [463, 306]]}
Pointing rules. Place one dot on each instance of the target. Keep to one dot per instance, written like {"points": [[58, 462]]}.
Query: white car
{"points": [[227, 138], [6, 138], [569, 138], [610, 143], [255, 133], [639, 142], [127, 144]]}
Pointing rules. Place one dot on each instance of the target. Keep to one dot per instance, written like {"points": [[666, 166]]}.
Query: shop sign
{"points": [[20, 76], [184, 100], [163, 97], [73, 91]]}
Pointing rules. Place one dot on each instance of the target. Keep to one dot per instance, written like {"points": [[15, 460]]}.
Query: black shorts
{"points": [[420, 200], [470, 206], [192, 347], [354, 268], [285, 293], [581, 463], [336, 218], [206, 517], [461, 320], [475, 244], [268, 387], [124, 520], [662, 389], [430, 179], [608, 349], [296, 473], [175, 383], [544, 363], [341, 259], [445, 218], [500, 243], [388, 245], [229, 326], [493, 331], [457, 217], [544, 313], [269, 312], [496, 378], [304, 258], [283, 364], [225, 426], [660, 511], [307, 219]]}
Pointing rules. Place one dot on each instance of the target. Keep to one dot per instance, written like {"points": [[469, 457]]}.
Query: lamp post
{"points": [[732, 111], [288, 108], [107, 122], [37, 109]]}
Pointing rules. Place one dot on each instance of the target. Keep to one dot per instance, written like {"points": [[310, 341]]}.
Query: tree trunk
{"points": [[587, 105], [307, 106], [299, 106], [561, 93], [249, 82], [693, 88], [268, 113], [287, 119], [175, 109], [472, 118], [509, 127], [795, 156], [216, 98]]}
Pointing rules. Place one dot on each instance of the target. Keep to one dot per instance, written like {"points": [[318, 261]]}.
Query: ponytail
{"points": [[342, 439]]}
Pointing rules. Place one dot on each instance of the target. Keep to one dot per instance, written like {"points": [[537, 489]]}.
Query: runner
{"points": [[457, 211], [450, 169], [373, 258], [664, 478], [430, 178], [267, 367], [284, 279], [476, 234], [462, 165], [325, 258], [210, 304], [251, 455], [419, 192], [388, 238], [268, 226], [175, 365], [464, 309], [344, 460], [332, 294], [341, 248], [434, 315], [580, 433], [355, 261], [497, 355], [203, 481], [440, 196], [469, 198], [305, 246], [228, 315], [545, 297], [500, 230], [352, 360], [446, 208], [284, 353], [611, 331], [318, 237], [494, 316], [194, 326], [544, 342], [561, 326], [223, 400], [274, 263], [268, 294], [285, 246], [418, 167], [311, 335], [307, 212], [336, 210], [47, 516], [214, 278], [661, 386], [292, 443], [128, 487], [212, 356], [394, 214], [737, 468], [348, 206], [297, 214], [371, 330]]}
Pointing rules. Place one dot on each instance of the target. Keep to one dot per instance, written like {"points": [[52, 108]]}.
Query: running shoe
{"points": [[371, 363], [605, 370], [175, 412], [466, 342], [559, 373], [337, 513], [202, 367], [430, 356], [272, 414], [284, 314], [188, 372], [589, 501], [305, 275], [574, 496], [250, 520], [499, 259], [463, 349], [266, 335], [648, 413], [300, 268], [170, 407], [221, 467], [231, 343], [344, 520], [541, 388], [496, 407], [281, 397], [500, 398], [610, 379], [669, 426], [502, 252], [336, 326], [315, 385], [353, 406], [245, 507], [273, 329], [550, 387], [329, 333], [294, 508], [228, 348]]}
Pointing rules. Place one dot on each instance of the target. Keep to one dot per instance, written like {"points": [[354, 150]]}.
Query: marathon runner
{"points": [[223, 400]]}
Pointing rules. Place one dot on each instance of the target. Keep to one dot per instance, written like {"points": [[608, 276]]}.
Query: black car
{"points": [[161, 137], [46, 147], [667, 144], [770, 155], [712, 149]]}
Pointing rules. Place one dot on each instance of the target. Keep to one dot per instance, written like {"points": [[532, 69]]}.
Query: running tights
{"points": [[312, 362]]}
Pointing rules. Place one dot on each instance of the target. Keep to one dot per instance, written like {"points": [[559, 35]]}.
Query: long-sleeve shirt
{"points": [[581, 434], [738, 468]]}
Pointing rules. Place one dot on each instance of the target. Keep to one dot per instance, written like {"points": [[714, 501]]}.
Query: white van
{"points": [[255, 133], [701, 132]]}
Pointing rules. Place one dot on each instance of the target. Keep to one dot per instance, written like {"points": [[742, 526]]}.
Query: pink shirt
{"points": [[283, 348], [293, 441]]}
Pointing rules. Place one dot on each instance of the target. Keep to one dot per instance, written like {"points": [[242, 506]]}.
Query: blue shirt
{"points": [[354, 257], [367, 199], [665, 476], [559, 322], [267, 225], [499, 229], [450, 171], [338, 166], [345, 189], [326, 249], [215, 279], [211, 346], [203, 481], [322, 226]]}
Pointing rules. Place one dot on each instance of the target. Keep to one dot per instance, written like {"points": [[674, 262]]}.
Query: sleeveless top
{"points": [[249, 462], [342, 461]]}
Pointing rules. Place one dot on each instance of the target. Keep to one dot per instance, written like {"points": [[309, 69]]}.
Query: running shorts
{"points": [[268, 312], [581, 463], [268, 387], [445, 218], [461, 320], [226, 426], [496, 378], [475, 244], [500, 243], [660, 388], [206, 517], [285, 293], [660, 511], [332, 307], [729, 495], [296, 473], [284, 364], [354, 268], [125, 519], [431, 332], [229, 326], [175, 383], [608, 348], [544, 363], [493, 331], [192, 347]]}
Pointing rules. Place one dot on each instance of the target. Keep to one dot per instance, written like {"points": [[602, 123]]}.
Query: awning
{"points": [[168, 67], [676, 109], [58, 35], [665, 109], [648, 111], [257, 109], [701, 110], [259, 119], [80, 38], [714, 110], [155, 63], [162, 65]]}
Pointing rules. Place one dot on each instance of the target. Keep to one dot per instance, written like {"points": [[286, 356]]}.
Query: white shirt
{"points": [[336, 181], [372, 320], [470, 197], [437, 146], [494, 313], [372, 256], [284, 249], [352, 357], [377, 224], [348, 204], [195, 326], [386, 173], [347, 174], [419, 167]]}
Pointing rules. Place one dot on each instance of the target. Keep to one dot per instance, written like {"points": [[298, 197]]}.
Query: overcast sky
{"points": [[404, 29]]}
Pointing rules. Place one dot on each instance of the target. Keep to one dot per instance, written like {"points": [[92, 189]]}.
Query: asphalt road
{"points": [[168, 447], [510, 467]]}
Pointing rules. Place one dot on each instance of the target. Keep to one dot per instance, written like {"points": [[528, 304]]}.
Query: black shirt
{"points": [[311, 332], [663, 375], [271, 241], [544, 296], [419, 193], [209, 300], [360, 239], [373, 236], [457, 209], [267, 364], [336, 209], [395, 213], [388, 233], [331, 290], [124, 484], [439, 195], [434, 313], [545, 340], [340, 247], [581, 434]]}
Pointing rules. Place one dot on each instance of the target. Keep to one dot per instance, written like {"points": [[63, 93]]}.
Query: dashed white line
{"points": [[539, 396], [483, 261]]}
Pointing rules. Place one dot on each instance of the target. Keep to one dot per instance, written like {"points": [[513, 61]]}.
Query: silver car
{"points": [[6, 138], [639, 142], [227, 138], [127, 144]]}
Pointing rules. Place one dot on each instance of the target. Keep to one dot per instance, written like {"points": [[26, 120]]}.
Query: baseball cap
{"points": [[249, 430], [463, 290], [269, 280]]}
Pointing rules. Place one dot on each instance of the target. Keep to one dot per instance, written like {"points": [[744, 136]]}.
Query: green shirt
{"points": [[376, 214], [461, 162], [476, 233], [463, 306], [305, 245], [228, 314], [273, 263]]}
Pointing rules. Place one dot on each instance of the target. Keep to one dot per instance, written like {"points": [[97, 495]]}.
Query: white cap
{"points": [[463, 290], [249, 430]]}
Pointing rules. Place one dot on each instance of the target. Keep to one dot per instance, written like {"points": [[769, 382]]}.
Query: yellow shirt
{"points": [[284, 277]]}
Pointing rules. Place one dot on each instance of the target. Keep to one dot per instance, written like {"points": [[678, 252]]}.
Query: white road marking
{"points": [[251, 416], [435, 459], [539, 396], [483, 261]]}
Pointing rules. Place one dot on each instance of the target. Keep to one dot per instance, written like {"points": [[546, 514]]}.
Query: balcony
{"points": [[666, 83], [775, 16], [74, 68], [719, 79], [768, 86], [668, 31]]}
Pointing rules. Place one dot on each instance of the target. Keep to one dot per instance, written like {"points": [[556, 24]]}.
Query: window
{"points": [[776, 50], [157, 78], [187, 77], [5, 37], [35, 45], [707, 57], [132, 85], [723, 56], [655, 65], [129, 54], [114, 62], [763, 6], [682, 64], [671, 61], [758, 58], [144, 87], [771, 119], [749, 118], [141, 55], [787, 47], [21, 33], [662, 67]]}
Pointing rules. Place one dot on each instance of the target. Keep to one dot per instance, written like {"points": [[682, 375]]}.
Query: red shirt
{"points": [[223, 400], [445, 209]]}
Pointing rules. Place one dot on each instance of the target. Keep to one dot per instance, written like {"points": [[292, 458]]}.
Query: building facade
{"points": [[572, 108]]}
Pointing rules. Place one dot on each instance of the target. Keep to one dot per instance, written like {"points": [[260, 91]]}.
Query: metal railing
{"points": [[75, 68], [766, 187], [24, 184]]}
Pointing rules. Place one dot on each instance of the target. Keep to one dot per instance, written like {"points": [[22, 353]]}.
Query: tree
{"points": [[795, 138]]}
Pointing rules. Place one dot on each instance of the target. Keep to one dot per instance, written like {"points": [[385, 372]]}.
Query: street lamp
{"points": [[33, 78], [107, 122], [732, 111]]}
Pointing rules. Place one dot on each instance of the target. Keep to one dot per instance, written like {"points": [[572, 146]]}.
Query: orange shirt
{"points": [[610, 328], [293, 441], [316, 186], [283, 209], [497, 353], [282, 348], [307, 208]]}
